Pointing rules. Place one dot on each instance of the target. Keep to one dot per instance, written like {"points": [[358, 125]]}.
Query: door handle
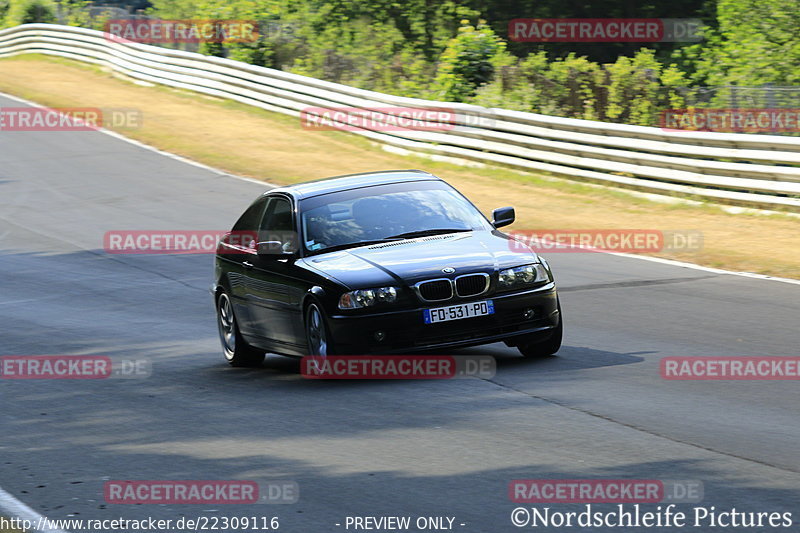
{"points": [[247, 264]]}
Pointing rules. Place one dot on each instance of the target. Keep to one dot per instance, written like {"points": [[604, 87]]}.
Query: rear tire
{"points": [[236, 350], [548, 346]]}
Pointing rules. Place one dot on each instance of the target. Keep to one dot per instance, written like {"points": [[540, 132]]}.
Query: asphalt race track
{"points": [[368, 448]]}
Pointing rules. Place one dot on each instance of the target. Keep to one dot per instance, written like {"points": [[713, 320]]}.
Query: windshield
{"points": [[384, 213]]}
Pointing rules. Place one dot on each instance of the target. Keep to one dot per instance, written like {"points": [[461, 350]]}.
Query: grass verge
{"points": [[274, 148]]}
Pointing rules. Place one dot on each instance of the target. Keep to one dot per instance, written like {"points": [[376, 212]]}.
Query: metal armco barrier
{"points": [[744, 169]]}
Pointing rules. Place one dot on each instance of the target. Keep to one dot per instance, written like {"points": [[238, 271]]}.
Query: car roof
{"points": [[308, 189]]}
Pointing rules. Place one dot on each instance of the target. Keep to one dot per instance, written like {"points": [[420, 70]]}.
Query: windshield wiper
{"points": [[426, 232], [355, 244]]}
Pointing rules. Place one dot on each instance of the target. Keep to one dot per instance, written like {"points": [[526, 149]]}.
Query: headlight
{"points": [[367, 297], [524, 275]]}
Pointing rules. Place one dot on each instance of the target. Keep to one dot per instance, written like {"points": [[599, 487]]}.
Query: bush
{"points": [[467, 62], [30, 11], [75, 13], [4, 5], [258, 53]]}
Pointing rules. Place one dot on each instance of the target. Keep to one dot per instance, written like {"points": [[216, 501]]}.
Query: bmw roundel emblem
{"points": [[448, 270]]}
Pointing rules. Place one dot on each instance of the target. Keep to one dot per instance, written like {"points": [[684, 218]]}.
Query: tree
{"points": [[756, 43], [466, 63]]}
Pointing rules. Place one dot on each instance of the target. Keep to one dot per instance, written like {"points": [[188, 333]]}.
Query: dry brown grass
{"points": [[274, 148]]}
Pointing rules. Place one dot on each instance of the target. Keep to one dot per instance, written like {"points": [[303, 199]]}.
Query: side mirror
{"points": [[274, 249], [502, 216]]}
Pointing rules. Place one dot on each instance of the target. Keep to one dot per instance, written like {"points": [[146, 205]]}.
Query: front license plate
{"points": [[457, 312]]}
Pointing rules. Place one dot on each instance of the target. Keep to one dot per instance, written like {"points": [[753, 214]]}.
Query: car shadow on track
{"points": [[570, 358]]}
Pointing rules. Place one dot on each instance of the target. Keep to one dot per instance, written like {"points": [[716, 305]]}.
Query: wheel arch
{"points": [[314, 294]]}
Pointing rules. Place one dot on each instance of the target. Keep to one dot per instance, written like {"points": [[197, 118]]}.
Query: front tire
{"points": [[317, 335], [236, 350]]}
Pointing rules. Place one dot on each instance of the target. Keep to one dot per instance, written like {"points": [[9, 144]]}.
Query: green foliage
{"points": [[212, 48], [467, 62], [4, 6], [175, 9], [632, 90], [258, 53], [30, 11], [364, 54], [573, 84], [444, 50], [98, 22], [757, 42], [75, 12]]}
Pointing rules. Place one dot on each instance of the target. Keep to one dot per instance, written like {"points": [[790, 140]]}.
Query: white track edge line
{"points": [[12, 505], [150, 147]]}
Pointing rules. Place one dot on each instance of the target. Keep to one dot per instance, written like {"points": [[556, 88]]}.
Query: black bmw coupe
{"points": [[394, 262]]}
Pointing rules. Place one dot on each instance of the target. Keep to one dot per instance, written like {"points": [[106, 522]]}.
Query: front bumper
{"points": [[406, 332]]}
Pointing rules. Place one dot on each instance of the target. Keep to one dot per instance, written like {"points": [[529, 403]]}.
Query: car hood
{"points": [[412, 260]]}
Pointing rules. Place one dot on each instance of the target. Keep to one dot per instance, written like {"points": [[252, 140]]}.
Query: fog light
{"points": [[527, 313], [379, 336]]}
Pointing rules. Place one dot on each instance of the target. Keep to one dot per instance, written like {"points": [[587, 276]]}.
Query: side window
{"points": [[278, 224], [251, 217], [245, 230]]}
